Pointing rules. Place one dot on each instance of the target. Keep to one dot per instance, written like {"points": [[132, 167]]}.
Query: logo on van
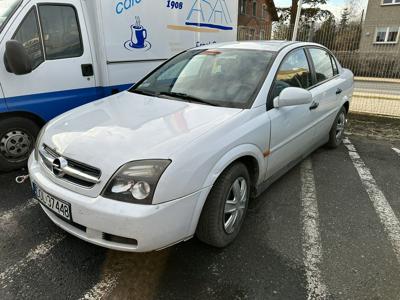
{"points": [[207, 16], [138, 38]]}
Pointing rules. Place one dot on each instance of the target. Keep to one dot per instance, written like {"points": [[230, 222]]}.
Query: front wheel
{"points": [[336, 134], [225, 207], [17, 140]]}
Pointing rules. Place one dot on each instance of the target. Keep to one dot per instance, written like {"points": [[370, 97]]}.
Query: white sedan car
{"points": [[182, 152]]}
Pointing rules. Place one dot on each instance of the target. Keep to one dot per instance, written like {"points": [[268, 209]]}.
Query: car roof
{"points": [[274, 45]]}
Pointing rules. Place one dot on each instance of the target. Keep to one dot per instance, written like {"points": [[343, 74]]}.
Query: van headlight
{"points": [[136, 181]]}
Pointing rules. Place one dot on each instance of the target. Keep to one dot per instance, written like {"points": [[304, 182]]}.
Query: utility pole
{"points": [[296, 24]]}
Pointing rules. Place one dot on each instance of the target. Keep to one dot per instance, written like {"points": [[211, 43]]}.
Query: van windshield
{"points": [[219, 77], [7, 8]]}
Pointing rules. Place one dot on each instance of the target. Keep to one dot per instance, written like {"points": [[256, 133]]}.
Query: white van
{"points": [[60, 54]]}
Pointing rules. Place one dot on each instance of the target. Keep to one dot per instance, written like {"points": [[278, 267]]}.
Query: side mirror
{"points": [[292, 96], [16, 58]]}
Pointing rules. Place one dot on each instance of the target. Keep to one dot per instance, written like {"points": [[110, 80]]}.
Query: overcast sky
{"points": [[334, 6]]}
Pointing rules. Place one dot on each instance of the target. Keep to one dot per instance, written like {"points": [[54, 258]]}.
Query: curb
{"points": [[377, 79]]}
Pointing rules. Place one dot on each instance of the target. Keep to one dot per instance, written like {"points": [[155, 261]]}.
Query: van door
{"points": [[57, 43]]}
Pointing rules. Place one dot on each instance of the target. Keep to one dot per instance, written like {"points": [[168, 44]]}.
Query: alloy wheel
{"points": [[235, 205], [340, 126]]}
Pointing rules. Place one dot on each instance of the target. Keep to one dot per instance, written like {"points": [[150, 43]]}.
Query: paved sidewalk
{"points": [[380, 96]]}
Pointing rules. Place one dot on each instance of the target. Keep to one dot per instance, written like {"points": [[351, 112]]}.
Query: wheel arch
{"points": [[250, 155], [22, 114], [346, 105]]}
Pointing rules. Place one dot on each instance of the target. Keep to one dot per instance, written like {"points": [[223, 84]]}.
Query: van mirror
{"points": [[16, 58], [293, 96]]}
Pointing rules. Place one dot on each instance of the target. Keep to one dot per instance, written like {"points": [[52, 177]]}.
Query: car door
{"points": [[326, 90], [57, 43], [291, 127]]}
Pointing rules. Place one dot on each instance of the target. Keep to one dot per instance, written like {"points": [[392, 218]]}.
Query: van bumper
{"points": [[119, 225]]}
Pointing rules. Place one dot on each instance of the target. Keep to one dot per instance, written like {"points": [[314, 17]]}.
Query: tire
{"points": [[214, 227], [336, 134], [17, 140]]}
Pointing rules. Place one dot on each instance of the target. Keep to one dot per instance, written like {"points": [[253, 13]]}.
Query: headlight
{"points": [[136, 181], [37, 143]]}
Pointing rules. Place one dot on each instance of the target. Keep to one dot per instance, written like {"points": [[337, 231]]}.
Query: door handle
{"points": [[314, 105], [87, 70], [338, 91]]}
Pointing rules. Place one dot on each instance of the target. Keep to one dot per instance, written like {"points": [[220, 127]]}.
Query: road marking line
{"points": [[40, 251], [103, 288], [396, 150], [10, 214], [382, 207], [312, 248]]}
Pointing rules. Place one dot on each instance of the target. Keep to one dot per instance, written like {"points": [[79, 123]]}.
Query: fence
{"points": [[371, 51]]}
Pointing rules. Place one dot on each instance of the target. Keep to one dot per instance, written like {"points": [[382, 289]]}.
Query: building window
{"points": [[243, 5], [390, 2], [264, 11], [254, 8], [242, 34], [387, 35], [262, 34], [252, 33]]}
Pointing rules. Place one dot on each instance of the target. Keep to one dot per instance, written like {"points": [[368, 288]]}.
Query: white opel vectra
{"points": [[182, 152]]}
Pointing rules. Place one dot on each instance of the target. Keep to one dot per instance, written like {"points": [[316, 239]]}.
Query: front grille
{"points": [[75, 172]]}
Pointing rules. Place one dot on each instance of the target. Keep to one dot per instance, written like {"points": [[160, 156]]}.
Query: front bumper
{"points": [[123, 226]]}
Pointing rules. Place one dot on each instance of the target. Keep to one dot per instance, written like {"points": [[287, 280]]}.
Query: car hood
{"points": [[113, 131]]}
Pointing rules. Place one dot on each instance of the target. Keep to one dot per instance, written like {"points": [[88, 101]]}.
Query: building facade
{"points": [[255, 19], [381, 27]]}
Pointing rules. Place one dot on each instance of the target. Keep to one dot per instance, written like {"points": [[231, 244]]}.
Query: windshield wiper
{"points": [[143, 92], [187, 97]]}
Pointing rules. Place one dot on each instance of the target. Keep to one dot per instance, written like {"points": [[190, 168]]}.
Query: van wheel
{"points": [[225, 208], [17, 140], [336, 134]]}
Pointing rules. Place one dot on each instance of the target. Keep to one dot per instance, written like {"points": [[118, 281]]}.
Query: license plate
{"points": [[60, 207]]}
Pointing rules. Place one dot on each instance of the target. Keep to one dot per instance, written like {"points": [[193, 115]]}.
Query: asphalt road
{"points": [[325, 230]]}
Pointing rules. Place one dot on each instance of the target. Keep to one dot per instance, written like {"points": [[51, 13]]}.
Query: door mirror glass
{"points": [[293, 96], [16, 58]]}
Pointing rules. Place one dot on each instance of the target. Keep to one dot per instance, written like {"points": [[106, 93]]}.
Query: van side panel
{"points": [[50, 105]]}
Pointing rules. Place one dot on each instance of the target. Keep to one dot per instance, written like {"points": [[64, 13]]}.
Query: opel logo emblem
{"points": [[59, 165]]}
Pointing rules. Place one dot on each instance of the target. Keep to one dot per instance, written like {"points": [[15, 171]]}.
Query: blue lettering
{"points": [[119, 9], [125, 5]]}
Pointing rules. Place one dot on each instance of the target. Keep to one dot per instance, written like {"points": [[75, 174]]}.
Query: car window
{"points": [[61, 33], [293, 72], [222, 77], [334, 65], [322, 64], [28, 35]]}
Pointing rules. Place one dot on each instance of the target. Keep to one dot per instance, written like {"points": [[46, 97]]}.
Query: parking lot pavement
{"points": [[328, 229]]}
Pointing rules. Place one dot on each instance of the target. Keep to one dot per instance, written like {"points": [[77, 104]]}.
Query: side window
{"points": [[293, 72], [322, 63], [334, 65], [61, 33], [28, 35]]}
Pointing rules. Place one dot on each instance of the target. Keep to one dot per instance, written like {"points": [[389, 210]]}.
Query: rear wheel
{"points": [[17, 140], [336, 134], [225, 208]]}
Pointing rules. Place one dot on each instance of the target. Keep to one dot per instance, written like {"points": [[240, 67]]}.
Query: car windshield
{"points": [[7, 7], [220, 77]]}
